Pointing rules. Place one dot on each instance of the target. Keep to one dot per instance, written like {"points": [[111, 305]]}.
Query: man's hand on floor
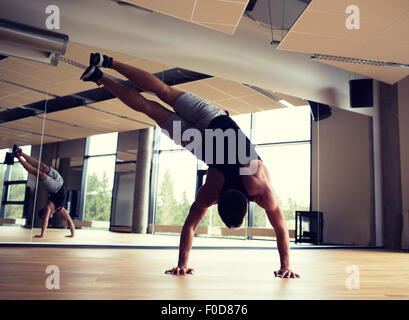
{"points": [[180, 271], [286, 273]]}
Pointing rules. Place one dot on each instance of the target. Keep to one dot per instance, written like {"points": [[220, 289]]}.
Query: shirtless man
{"points": [[54, 184], [227, 184]]}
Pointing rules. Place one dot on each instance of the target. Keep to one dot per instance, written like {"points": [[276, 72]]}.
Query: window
{"points": [[283, 140], [282, 125], [13, 180], [289, 168], [100, 163], [176, 186]]}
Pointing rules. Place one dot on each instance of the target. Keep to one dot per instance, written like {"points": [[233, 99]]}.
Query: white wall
{"points": [[342, 177]]}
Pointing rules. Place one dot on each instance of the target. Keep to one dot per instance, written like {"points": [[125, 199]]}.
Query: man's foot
{"points": [[100, 60], [9, 158], [93, 74], [16, 151]]}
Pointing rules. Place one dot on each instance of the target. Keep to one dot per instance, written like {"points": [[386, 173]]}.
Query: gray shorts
{"points": [[191, 112], [53, 182]]}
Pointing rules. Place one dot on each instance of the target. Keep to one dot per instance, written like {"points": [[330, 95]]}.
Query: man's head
{"points": [[232, 208]]}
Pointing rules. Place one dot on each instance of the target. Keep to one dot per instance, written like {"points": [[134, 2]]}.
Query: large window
{"points": [[100, 161], [283, 140], [17, 175], [176, 186]]}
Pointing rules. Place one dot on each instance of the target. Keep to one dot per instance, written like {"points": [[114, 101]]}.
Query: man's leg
{"points": [[138, 102], [31, 169], [35, 163], [148, 82], [140, 78]]}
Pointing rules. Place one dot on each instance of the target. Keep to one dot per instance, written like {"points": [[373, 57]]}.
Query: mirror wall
{"points": [[95, 147]]}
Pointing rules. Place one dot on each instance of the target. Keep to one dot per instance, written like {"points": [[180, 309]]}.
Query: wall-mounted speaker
{"points": [[361, 93], [319, 111], [251, 5]]}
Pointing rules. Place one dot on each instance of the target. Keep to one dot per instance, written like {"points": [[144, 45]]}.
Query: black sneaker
{"points": [[100, 60], [9, 158], [16, 151], [92, 73]]}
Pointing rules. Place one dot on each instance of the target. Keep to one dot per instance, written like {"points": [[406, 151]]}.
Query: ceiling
{"points": [[244, 57], [32, 81], [156, 42], [383, 35], [221, 15]]}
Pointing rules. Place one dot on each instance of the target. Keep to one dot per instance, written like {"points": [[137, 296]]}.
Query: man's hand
{"points": [[286, 273], [180, 271]]}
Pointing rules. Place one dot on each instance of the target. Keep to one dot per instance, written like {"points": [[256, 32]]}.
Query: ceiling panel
{"points": [[221, 15], [64, 78], [218, 12], [293, 100], [383, 35], [81, 116], [119, 125], [372, 9], [234, 89], [115, 106], [312, 22], [202, 90], [262, 102], [387, 74], [237, 106]]}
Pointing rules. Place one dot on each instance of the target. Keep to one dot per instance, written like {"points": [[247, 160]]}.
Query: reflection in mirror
{"points": [[22, 85], [125, 173]]}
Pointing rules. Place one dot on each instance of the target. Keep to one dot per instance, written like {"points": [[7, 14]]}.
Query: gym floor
{"points": [[231, 272]]}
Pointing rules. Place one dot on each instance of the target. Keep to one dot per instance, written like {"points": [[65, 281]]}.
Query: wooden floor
{"points": [[220, 274], [17, 234]]}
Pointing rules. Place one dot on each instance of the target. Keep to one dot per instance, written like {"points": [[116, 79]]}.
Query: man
{"points": [[54, 184], [227, 183]]}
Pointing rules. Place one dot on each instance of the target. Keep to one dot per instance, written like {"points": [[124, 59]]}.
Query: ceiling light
{"points": [[286, 103], [359, 61]]}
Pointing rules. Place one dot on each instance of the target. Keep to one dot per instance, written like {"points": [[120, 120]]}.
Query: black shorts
{"points": [[58, 198]]}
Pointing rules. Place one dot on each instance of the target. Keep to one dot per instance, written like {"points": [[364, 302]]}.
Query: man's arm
{"points": [[67, 218], [269, 202], [206, 197]]}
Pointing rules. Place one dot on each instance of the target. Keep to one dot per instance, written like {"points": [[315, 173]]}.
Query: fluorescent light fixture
{"points": [[286, 103], [359, 61], [27, 42]]}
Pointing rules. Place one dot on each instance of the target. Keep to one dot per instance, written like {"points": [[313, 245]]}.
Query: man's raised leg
{"points": [[138, 102], [35, 163], [31, 169], [139, 77]]}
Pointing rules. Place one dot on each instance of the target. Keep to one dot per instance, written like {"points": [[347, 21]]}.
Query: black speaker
{"points": [[361, 93], [251, 5], [319, 111]]}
